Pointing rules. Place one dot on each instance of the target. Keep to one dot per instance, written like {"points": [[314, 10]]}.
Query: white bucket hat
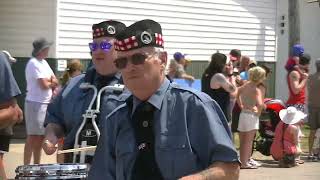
{"points": [[291, 115]]}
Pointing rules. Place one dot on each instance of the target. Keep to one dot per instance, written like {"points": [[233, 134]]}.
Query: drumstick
{"points": [[88, 148]]}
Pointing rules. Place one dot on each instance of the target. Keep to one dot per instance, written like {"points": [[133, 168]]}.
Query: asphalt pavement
{"points": [[268, 171]]}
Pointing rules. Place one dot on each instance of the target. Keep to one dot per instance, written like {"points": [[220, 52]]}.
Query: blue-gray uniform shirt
{"points": [[190, 130], [69, 105], [8, 87]]}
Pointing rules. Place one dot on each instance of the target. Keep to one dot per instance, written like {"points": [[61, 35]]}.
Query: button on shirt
{"points": [[191, 133], [71, 103]]}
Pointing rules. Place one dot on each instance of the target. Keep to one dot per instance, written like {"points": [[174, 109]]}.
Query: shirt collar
{"points": [[156, 99], [91, 76]]}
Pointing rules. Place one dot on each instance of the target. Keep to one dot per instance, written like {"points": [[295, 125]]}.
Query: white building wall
{"points": [[195, 27], [281, 87], [22, 21]]}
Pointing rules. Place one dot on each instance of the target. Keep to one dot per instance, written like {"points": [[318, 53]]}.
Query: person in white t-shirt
{"points": [[41, 82]]}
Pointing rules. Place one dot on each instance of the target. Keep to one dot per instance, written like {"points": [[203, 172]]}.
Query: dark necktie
{"points": [[101, 82], [145, 166]]}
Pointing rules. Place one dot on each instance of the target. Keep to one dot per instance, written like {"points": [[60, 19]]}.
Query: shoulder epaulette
{"points": [[72, 83]]}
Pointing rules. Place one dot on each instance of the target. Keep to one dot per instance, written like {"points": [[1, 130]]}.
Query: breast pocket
{"points": [[175, 156], [124, 155]]}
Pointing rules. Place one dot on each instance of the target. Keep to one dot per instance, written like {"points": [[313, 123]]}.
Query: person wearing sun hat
{"points": [[41, 83], [64, 114], [286, 140]]}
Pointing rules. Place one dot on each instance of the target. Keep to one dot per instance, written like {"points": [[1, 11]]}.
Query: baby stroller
{"points": [[269, 119]]}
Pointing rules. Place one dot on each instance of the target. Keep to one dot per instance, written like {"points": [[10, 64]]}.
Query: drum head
{"points": [[52, 171]]}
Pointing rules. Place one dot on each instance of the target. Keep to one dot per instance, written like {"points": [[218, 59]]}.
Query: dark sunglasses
{"points": [[104, 45], [135, 59]]}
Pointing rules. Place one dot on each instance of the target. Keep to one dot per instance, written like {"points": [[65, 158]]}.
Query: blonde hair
{"points": [[73, 66], [257, 74]]}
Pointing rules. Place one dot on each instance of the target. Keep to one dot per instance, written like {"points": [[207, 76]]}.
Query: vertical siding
{"points": [[195, 27], [24, 20]]}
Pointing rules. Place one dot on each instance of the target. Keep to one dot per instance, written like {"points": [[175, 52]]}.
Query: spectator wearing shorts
{"points": [[250, 100], [297, 81], [41, 82], [313, 86], [10, 112]]}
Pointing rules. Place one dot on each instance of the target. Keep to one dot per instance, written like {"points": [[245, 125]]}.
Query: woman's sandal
{"points": [[299, 161], [249, 166]]}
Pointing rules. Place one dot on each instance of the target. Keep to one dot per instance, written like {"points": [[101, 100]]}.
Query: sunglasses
{"points": [[104, 45], [135, 59]]}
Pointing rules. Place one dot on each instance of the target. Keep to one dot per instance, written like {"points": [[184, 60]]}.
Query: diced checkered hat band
{"points": [[133, 42], [144, 33], [107, 29]]}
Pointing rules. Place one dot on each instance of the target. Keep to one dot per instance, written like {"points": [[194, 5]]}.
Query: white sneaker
{"points": [[255, 163]]}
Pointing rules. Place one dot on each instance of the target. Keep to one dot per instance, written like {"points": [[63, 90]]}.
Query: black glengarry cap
{"points": [[143, 33]]}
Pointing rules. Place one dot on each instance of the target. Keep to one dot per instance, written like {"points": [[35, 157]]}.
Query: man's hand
{"points": [[305, 75], [49, 147], [54, 82], [52, 134], [19, 113], [10, 114]]}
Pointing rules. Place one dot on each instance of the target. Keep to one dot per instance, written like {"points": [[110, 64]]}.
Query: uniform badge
{"points": [[111, 30], [146, 37], [145, 123]]}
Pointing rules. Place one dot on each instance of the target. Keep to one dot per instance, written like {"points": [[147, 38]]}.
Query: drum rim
{"points": [[53, 170], [51, 177]]}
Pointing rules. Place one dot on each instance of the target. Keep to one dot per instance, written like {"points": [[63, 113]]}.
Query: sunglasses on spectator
{"points": [[104, 45], [135, 59]]}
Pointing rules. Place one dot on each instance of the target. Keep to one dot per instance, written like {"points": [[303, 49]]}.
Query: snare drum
{"points": [[52, 171]]}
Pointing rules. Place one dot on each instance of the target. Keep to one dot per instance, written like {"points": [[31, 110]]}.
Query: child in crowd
{"points": [[293, 61], [250, 100]]}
